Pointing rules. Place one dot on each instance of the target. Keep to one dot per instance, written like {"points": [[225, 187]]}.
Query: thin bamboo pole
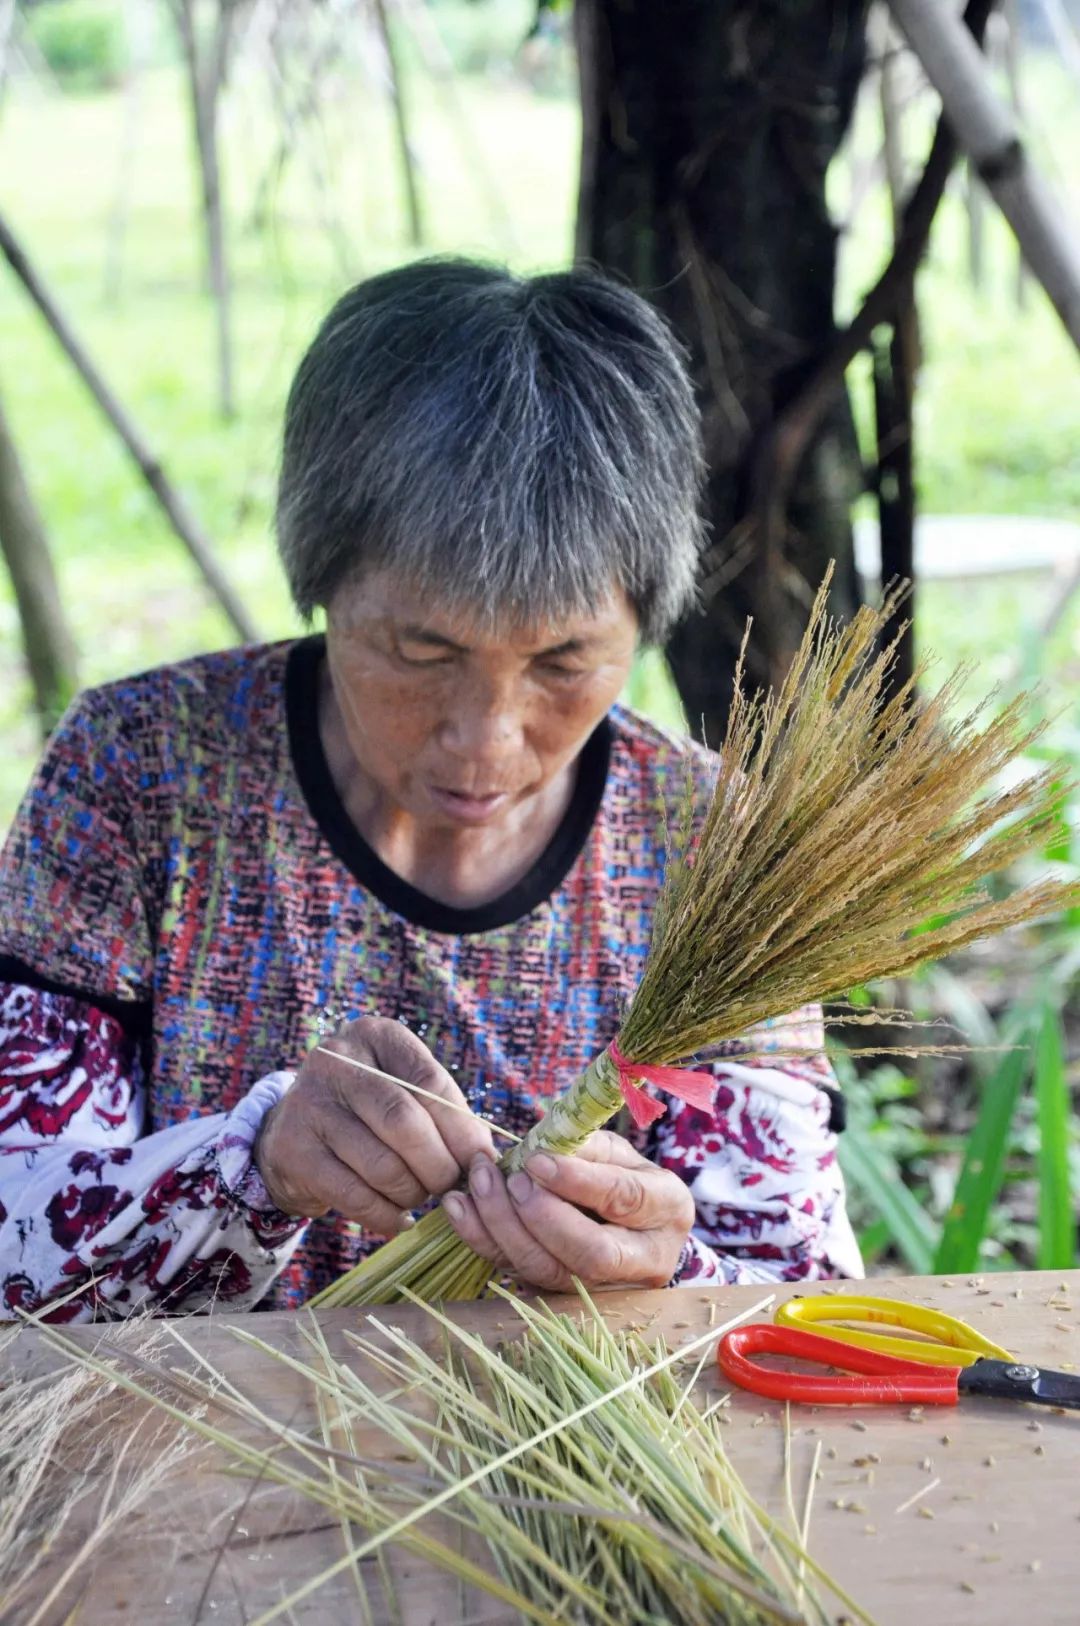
{"points": [[206, 58], [1064, 32], [989, 134], [401, 125]]}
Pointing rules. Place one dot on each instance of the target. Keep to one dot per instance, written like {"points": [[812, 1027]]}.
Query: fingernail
{"points": [[454, 1207], [542, 1167], [406, 1222], [520, 1186], [480, 1178]]}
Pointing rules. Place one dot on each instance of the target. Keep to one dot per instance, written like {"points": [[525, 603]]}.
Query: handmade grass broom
{"points": [[842, 822]]}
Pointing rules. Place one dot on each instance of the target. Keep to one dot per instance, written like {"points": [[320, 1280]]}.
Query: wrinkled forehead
{"points": [[383, 597]]}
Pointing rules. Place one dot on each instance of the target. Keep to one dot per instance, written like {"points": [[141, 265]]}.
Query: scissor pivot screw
{"points": [[1022, 1374]]}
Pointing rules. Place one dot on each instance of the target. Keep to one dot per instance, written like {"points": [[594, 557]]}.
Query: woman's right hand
{"points": [[371, 1150]]}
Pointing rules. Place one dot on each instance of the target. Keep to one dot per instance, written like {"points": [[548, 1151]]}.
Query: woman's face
{"points": [[457, 726]]}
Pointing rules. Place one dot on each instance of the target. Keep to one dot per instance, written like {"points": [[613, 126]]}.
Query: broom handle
{"points": [[591, 1101]]}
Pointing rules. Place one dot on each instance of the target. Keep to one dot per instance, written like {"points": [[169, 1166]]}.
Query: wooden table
{"points": [[996, 1540]]}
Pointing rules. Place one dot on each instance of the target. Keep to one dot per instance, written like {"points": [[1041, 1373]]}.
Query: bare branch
{"points": [[401, 125], [176, 510], [47, 639]]}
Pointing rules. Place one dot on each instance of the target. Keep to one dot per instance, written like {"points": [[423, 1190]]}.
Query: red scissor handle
{"points": [[891, 1379]]}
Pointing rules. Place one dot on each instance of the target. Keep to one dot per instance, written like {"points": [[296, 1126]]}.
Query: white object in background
{"points": [[958, 546]]}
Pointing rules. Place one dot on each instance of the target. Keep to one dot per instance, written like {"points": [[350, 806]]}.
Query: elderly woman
{"points": [[432, 828]]}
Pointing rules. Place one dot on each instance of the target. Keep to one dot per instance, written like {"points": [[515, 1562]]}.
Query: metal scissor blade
{"points": [[1012, 1380]]}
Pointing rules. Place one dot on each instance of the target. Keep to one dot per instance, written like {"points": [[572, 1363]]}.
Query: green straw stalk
{"points": [[580, 1472], [846, 840]]}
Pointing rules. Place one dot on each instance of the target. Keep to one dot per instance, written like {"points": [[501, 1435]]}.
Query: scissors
{"points": [[875, 1368]]}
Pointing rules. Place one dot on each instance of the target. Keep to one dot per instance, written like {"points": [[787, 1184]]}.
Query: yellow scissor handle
{"points": [[954, 1342]]}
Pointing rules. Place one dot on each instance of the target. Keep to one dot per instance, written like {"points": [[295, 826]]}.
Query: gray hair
{"points": [[519, 446]]}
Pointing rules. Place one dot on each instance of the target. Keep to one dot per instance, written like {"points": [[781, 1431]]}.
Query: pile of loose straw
{"points": [[846, 840], [72, 1474], [569, 1474]]}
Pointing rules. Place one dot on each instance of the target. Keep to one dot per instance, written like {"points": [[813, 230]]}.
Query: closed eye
{"points": [[556, 670], [426, 660]]}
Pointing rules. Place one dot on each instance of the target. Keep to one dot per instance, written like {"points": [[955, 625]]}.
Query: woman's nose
{"points": [[484, 722]]}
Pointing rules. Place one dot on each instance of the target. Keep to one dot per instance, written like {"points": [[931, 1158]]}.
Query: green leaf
{"points": [[873, 1241], [1057, 1225], [983, 1168], [910, 1227]]}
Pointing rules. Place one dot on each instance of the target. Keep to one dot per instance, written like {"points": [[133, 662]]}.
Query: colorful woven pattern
{"points": [[179, 868]]}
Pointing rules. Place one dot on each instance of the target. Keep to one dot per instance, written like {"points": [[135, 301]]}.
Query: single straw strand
{"points": [[418, 1089], [918, 1496], [804, 1528], [485, 1470]]}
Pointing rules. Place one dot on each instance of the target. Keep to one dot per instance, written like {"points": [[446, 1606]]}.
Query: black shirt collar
{"points": [[328, 811]]}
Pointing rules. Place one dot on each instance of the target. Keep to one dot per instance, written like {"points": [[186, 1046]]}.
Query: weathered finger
{"points": [[401, 1122], [351, 1197], [349, 1139], [641, 1197], [462, 1214], [398, 1052], [408, 1129], [604, 1146], [526, 1254], [579, 1244], [405, 1055]]}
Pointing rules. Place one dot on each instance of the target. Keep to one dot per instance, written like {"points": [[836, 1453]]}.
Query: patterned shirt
{"points": [[185, 906]]}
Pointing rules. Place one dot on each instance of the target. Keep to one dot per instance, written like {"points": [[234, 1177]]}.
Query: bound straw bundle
{"points": [[841, 823]]}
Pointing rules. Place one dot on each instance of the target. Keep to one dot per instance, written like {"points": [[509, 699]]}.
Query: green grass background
{"points": [[998, 414]]}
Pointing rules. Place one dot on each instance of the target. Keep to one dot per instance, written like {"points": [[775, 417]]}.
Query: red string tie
{"points": [[697, 1089]]}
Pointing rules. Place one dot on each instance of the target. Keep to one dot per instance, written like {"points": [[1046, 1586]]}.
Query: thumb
{"points": [[604, 1146]]}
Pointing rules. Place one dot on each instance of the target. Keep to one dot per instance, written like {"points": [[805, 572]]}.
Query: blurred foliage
{"points": [[971, 1163], [81, 41], [976, 1164]]}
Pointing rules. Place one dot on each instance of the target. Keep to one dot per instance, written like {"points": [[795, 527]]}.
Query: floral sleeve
{"points": [[98, 1213], [762, 1165]]}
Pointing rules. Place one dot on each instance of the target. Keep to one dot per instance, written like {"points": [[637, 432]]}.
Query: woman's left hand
{"points": [[532, 1225]]}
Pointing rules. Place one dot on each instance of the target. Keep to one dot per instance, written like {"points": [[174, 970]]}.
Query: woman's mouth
{"points": [[468, 806]]}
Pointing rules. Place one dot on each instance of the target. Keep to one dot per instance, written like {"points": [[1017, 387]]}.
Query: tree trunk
{"points": [[47, 639], [707, 134], [895, 355]]}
